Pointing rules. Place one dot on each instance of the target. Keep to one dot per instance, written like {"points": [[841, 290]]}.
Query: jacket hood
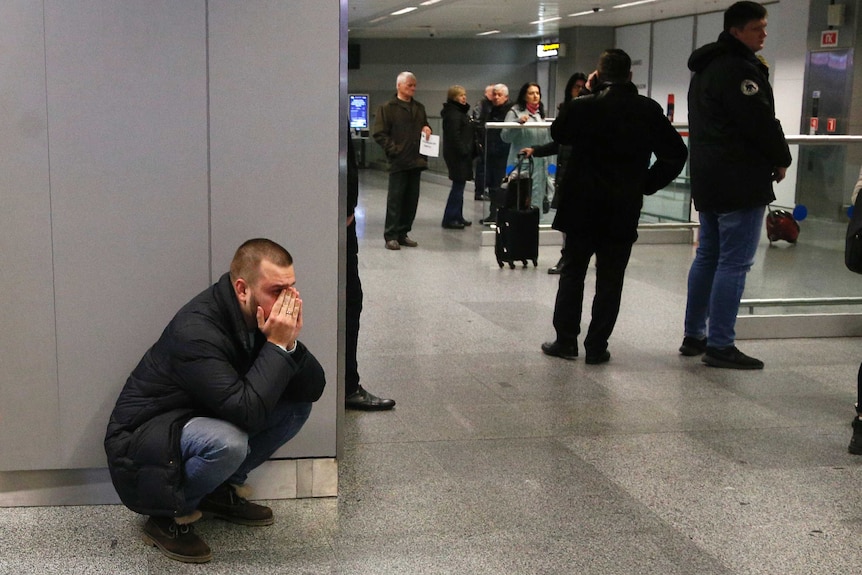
{"points": [[726, 44]]}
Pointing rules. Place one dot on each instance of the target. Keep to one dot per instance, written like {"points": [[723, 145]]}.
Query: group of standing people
{"points": [[738, 150]]}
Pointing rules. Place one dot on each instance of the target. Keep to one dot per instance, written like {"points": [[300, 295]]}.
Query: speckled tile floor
{"points": [[499, 460]]}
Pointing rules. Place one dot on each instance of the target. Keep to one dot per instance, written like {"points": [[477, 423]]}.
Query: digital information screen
{"points": [[358, 111]]}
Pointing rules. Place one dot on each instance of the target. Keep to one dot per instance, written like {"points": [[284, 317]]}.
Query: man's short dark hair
{"points": [[246, 260], [741, 13], [614, 65]]}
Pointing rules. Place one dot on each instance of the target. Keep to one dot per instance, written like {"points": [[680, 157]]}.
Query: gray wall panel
{"points": [[28, 388], [274, 158], [127, 117]]}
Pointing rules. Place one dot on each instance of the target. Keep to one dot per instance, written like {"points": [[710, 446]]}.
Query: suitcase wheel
{"points": [[535, 263], [511, 265], [524, 263]]}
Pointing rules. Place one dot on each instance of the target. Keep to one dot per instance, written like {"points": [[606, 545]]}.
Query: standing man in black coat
{"points": [[497, 151], [737, 150], [226, 385], [613, 133], [355, 396]]}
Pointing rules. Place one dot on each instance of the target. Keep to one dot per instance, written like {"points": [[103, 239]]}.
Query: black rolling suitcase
{"points": [[517, 237]]}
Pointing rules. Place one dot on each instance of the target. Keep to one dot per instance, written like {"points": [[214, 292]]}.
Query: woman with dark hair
{"points": [[576, 86], [458, 153], [529, 109]]}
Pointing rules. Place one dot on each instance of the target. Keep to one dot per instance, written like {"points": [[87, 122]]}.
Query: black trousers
{"points": [[612, 257], [402, 200], [354, 310]]}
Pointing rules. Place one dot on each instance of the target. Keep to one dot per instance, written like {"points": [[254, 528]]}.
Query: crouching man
{"points": [[225, 386]]}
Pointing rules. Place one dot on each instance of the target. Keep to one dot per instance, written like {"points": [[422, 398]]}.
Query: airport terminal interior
{"points": [[498, 459]]}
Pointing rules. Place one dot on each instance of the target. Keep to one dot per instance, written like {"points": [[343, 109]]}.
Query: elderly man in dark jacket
{"points": [[398, 125], [613, 133], [737, 150], [223, 388]]}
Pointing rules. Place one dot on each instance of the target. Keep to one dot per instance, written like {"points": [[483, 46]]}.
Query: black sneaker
{"points": [[597, 358], [692, 346], [730, 358], [557, 349], [178, 542], [855, 446], [224, 503]]}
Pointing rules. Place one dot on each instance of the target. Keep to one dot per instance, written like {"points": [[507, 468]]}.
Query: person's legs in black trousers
{"points": [[611, 261], [570, 292]]}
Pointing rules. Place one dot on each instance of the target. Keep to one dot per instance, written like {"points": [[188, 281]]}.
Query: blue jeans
{"points": [[453, 214], [716, 279], [215, 451]]}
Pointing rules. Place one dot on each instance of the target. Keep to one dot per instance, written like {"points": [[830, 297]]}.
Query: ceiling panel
{"points": [[513, 18]]}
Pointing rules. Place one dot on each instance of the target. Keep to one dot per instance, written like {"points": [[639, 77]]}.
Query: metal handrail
{"points": [[801, 301]]}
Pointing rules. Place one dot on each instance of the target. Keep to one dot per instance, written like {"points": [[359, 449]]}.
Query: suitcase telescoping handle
{"points": [[521, 157]]}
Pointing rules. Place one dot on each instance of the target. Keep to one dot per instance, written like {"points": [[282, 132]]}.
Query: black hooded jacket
{"points": [[735, 140], [613, 134], [205, 363]]}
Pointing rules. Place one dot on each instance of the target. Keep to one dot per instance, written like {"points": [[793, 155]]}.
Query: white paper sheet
{"points": [[429, 147]]}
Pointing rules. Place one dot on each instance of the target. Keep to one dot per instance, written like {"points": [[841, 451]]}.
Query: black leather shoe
{"points": [[466, 223], [453, 225], [225, 503], [595, 359], [405, 241], [692, 346], [729, 358], [556, 349], [178, 542], [364, 401]]}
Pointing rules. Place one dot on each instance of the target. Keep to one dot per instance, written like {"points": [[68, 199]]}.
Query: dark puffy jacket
{"points": [[613, 134], [458, 141], [736, 142], [397, 128], [202, 365]]}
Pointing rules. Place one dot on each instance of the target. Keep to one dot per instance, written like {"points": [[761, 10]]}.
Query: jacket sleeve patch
{"points": [[749, 87]]}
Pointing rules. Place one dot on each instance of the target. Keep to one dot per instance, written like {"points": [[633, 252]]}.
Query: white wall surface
{"points": [[133, 164]]}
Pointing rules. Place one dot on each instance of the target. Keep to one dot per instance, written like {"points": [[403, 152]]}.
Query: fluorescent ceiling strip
{"points": [[428, 2], [488, 33], [547, 20], [585, 13], [403, 11], [636, 3]]}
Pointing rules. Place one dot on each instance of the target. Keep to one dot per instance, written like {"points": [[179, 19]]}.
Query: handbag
{"points": [[853, 243]]}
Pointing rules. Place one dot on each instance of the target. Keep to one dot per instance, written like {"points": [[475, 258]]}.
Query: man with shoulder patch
{"points": [[226, 385], [737, 149]]}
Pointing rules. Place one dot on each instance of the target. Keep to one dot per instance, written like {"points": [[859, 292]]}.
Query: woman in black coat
{"points": [[458, 152]]}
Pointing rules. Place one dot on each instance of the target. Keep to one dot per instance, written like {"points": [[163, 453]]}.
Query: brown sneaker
{"points": [[178, 542], [225, 503]]}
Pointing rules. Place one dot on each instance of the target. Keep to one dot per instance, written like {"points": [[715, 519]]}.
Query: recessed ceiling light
{"points": [[547, 20], [636, 3], [403, 11], [488, 33]]}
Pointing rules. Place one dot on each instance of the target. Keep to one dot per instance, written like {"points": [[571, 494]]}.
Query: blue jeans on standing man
{"points": [[716, 280], [215, 451]]}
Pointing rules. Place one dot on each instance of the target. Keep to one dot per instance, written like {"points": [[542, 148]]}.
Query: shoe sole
{"points": [[597, 360], [369, 408], [854, 450], [566, 357], [239, 520], [720, 363], [176, 557]]}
